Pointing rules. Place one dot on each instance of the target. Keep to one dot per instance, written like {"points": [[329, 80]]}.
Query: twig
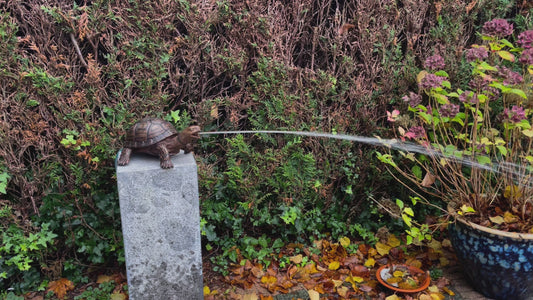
{"points": [[73, 39]]}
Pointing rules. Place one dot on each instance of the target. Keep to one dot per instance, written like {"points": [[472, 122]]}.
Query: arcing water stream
{"points": [[497, 167]]}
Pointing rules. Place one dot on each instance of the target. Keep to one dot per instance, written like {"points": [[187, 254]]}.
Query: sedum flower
{"points": [[431, 81], [498, 28], [413, 99], [479, 53], [449, 110], [478, 83], [515, 115], [416, 132], [469, 97], [509, 76], [527, 57], [525, 39], [435, 62]]}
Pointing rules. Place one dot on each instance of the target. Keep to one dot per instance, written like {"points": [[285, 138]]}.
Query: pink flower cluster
{"points": [[469, 97], [474, 54], [525, 39], [413, 99], [431, 81], [527, 57], [498, 28], [416, 132], [509, 76], [449, 110], [435, 62], [515, 115]]}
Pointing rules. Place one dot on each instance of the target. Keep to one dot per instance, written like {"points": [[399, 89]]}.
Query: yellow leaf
{"points": [[250, 297], [342, 291], [446, 243], [447, 290], [393, 241], [528, 132], [337, 283], [207, 290], [369, 263], [508, 217], [354, 279], [392, 297], [506, 55], [296, 259], [345, 241], [433, 289], [421, 76], [382, 248], [394, 280], [118, 296], [313, 295], [435, 245], [214, 111], [443, 261], [104, 278], [512, 192], [437, 296], [334, 265], [398, 273], [424, 297], [497, 220], [414, 262], [267, 279], [467, 209]]}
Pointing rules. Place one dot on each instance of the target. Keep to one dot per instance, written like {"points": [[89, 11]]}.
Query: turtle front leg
{"points": [[124, 158], [164, 157]]}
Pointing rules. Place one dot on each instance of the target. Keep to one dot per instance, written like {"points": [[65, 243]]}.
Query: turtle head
{"points": [[190, 134]]}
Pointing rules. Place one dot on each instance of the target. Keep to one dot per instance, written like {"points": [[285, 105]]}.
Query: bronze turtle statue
{"points": [[159, 138]]}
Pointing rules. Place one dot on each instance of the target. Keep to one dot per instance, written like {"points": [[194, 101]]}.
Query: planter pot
{"points": [[498, 264]]}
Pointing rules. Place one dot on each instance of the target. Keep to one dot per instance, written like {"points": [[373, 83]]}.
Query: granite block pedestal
{"points": [[161, 227]]}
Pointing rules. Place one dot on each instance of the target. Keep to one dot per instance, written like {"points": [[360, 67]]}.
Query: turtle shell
{"points": [[148, 132]]}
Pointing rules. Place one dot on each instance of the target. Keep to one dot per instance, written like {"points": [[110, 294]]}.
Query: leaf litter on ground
{"points": [[342, 270]]}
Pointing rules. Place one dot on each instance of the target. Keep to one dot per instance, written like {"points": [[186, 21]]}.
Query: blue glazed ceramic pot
{"points": [[498, 264]]}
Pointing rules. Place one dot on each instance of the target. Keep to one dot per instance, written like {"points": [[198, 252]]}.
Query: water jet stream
{"points": [[497, 167]]}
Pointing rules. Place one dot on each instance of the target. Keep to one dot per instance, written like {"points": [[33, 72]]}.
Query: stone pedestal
{"points": [[161, 227]]}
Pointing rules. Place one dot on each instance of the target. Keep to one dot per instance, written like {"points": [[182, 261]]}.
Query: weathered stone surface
{"points": [[161, 227]]}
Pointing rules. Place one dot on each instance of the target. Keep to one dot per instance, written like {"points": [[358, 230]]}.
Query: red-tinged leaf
{"points": [[365, 288], [363, 248], [360, 270], [60, 287], [257, 272], [345, 28], [292, 271]]}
